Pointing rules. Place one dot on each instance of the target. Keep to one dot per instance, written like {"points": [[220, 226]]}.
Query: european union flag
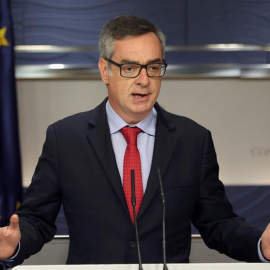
{"points": [[10, 167]]}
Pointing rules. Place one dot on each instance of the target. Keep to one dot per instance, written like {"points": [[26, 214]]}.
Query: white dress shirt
{"points": [[145, 140]]}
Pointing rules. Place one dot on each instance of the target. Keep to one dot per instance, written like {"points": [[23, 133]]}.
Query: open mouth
{"points": [[139, 95]]}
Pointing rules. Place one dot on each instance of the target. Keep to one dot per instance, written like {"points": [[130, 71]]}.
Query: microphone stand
{"points": [[163, 222], [133, 201]]}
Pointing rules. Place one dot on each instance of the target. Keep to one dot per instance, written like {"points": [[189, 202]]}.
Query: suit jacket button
{"points": [[132, 244]]}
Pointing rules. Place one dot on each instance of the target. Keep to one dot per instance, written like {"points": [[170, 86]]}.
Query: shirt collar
{"points": [[147, 125]]}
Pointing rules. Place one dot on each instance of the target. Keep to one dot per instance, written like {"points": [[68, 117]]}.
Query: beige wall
{"points": [[236, 111]]}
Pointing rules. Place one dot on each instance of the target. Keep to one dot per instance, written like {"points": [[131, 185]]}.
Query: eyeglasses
{"points": [[131, 70]]}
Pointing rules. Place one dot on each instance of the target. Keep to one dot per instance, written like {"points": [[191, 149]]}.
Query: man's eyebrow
{"points": [[128, 61], [157, 60]]}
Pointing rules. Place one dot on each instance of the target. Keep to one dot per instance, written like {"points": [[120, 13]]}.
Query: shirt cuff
{"points": [[260, 252], [15, 255]]}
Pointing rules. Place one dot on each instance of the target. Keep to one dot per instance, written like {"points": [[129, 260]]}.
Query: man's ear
{"points": [[104, 70]]}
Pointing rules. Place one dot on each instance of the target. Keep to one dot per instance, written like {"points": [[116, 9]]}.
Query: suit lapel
{"points": [[99, 138], [165, 141]]}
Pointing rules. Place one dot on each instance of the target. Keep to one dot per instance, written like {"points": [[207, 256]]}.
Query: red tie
{"points": [[132, 161]]}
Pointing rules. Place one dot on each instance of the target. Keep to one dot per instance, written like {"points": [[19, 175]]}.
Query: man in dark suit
{"points": [[81, 167]]}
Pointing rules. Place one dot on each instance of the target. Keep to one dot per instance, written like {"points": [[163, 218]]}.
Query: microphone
{"points": [[133, 201], [163, 222]]}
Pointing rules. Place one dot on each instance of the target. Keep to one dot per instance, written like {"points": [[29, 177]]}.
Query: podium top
{"points": [[206, 266]]}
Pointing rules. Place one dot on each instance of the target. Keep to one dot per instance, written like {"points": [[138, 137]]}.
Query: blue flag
{"points": [[10, 166]]}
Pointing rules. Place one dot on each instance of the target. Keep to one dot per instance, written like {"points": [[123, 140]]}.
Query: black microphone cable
{"points": [[133, 201], [163, 222]]}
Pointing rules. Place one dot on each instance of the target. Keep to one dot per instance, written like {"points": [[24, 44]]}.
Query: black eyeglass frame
{"points": [[142, 66]]}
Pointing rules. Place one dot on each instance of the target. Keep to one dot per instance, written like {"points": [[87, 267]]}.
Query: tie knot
{"points": [[130, 134]]}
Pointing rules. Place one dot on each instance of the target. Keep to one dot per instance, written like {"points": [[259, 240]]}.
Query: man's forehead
{"points": [[135, 40], [146, 46]]}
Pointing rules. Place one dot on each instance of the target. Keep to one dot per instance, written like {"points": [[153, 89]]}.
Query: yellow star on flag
{"points": [[3, 40]]}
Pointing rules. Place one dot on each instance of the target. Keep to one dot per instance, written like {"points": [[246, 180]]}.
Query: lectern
{"points": [[206, 266]]}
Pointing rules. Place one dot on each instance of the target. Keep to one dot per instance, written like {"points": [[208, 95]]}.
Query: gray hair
{"points": [[123, 26]]}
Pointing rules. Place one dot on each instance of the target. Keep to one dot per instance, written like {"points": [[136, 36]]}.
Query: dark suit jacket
{"points": [[77, 167]]}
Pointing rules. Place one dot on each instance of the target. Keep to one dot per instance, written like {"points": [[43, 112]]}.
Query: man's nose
{"points": [[143, 77]]}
